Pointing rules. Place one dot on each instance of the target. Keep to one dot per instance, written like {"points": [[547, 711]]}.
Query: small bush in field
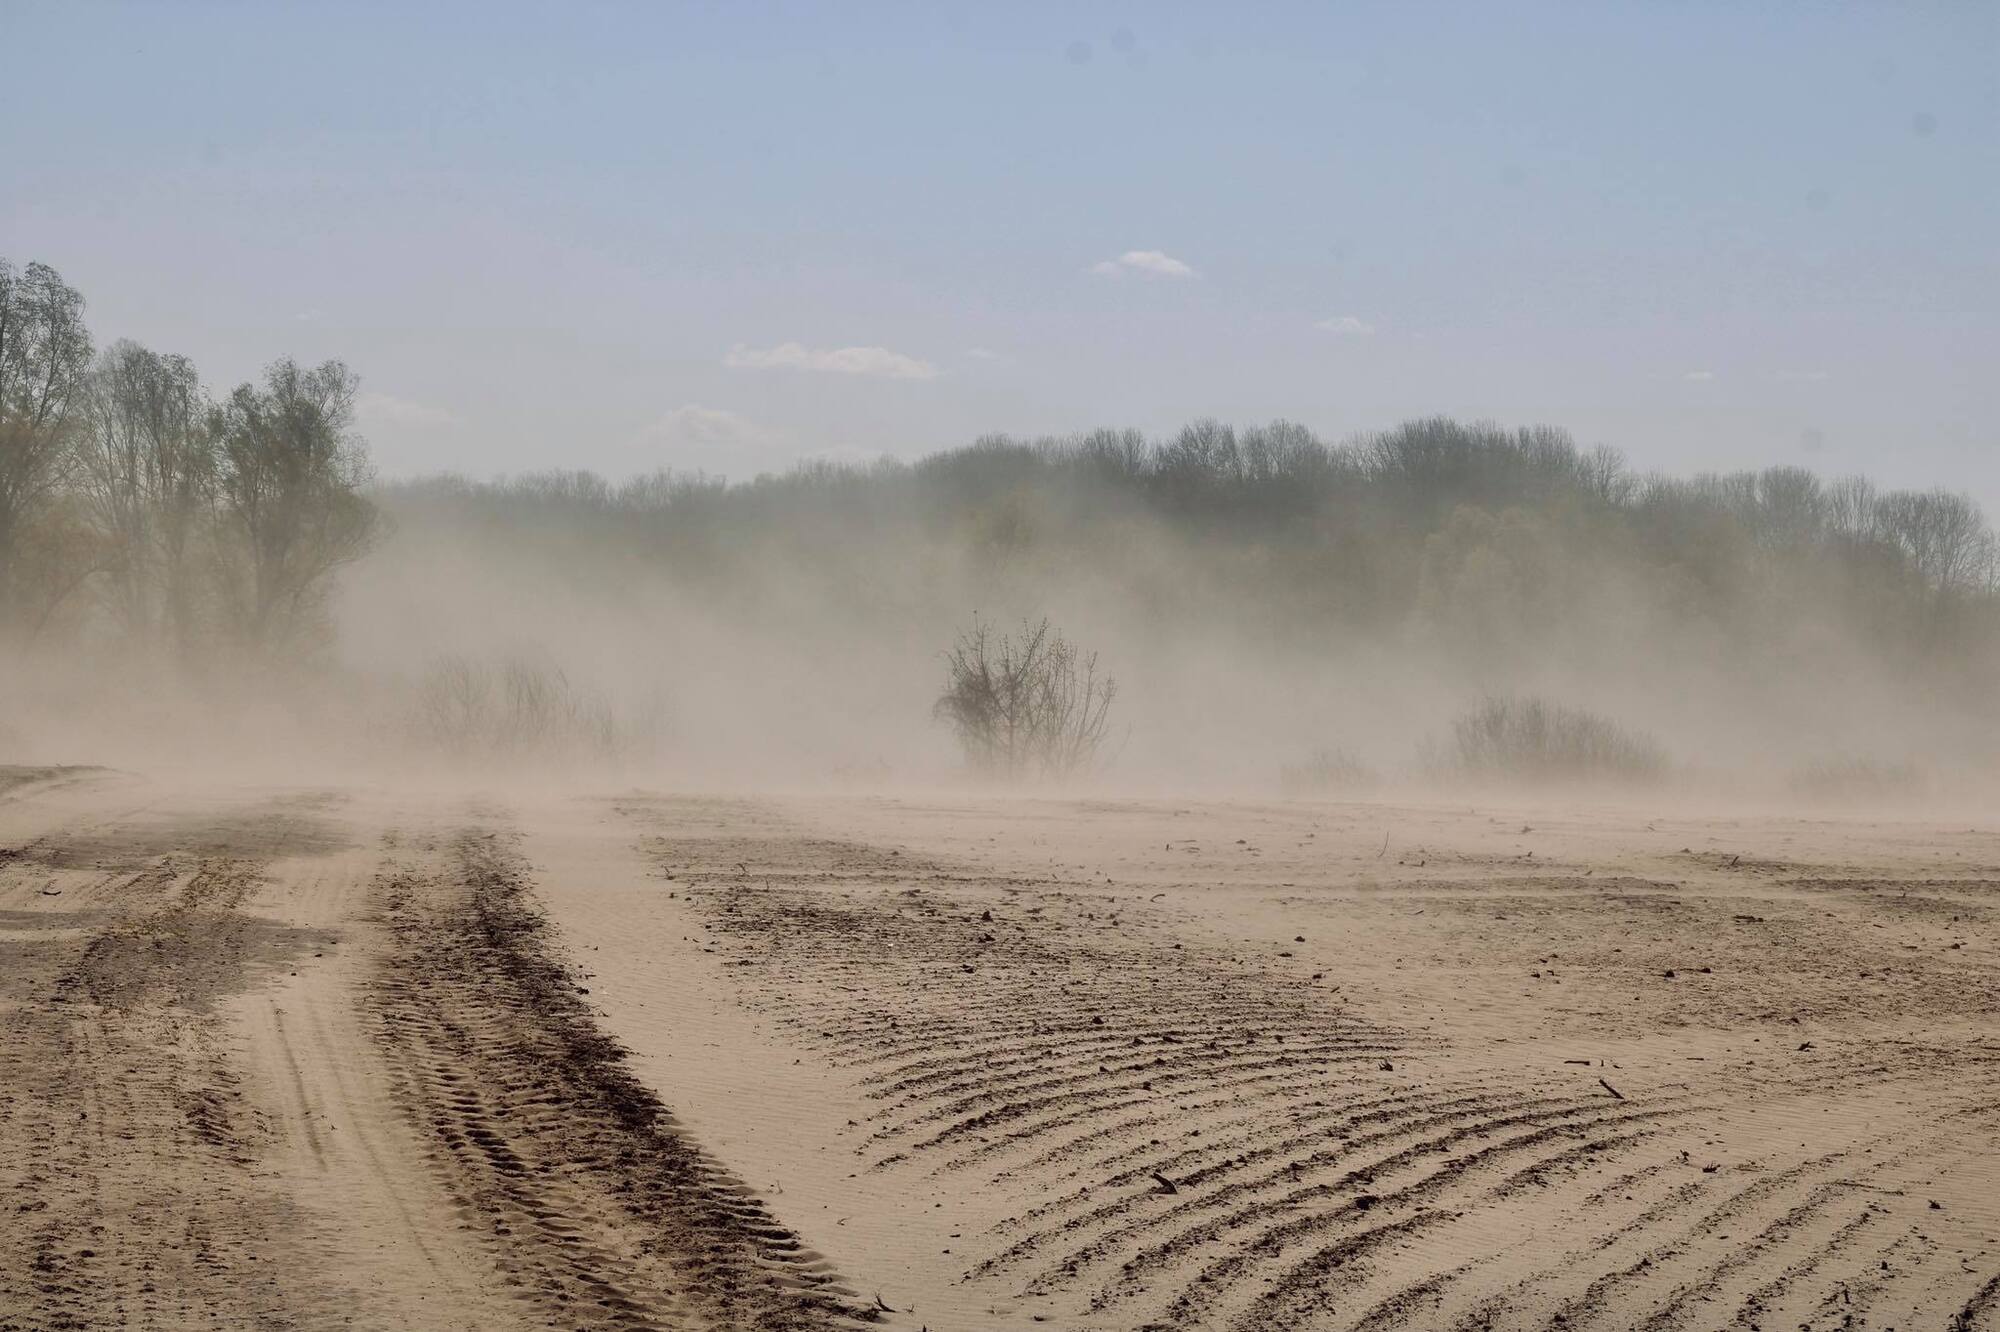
{"points": [[1858, 781], [1025, 704], [469, 708], [1535, 740], [1327, 771]]}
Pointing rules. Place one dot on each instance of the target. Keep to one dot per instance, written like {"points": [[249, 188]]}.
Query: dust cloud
{"points": [[1441, 878], [1279, 614]]}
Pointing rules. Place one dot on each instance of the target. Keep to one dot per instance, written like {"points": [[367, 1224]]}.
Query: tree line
{"points": [[1500, 547], [136, 505]]}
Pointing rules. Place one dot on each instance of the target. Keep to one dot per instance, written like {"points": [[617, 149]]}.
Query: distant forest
{"points": [[139, 509], [1479, 539]]}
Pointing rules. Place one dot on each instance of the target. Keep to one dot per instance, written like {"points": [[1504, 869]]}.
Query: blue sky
{"points": [[727, 236]]}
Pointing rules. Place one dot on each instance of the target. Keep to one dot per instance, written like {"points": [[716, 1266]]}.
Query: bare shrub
{"points": [[1327, 771], [472, 709], [1026, 704], [1858, 781], [1533, 739]]}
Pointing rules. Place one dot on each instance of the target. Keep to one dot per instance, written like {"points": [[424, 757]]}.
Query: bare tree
{"points": [[44, 353], [1026, 704], [147, 467], [1850, 509], [1602, 474], [1945, 536], [1792, 506], [291, 477]]}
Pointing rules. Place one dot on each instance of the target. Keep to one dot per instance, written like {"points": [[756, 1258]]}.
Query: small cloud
{"points": [[1698, 376], [381, 409], [1800, 376], [876, 362], [310, 316], [1146, 263], [710, 426], [1346, 326], [982, 354]]}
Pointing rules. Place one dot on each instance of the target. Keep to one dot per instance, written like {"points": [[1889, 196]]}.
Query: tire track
{"points": [[131, 1148], [595, 1207]]}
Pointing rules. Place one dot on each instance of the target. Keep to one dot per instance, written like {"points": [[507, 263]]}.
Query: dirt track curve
{"points": [[309, 1059]]}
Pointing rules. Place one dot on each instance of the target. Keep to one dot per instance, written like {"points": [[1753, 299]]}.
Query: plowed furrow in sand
{"points": [[1111, 1156], [1145, 1129], [1024, 1024], [1544, 1215], [1354, 1129], [1024, 1123], [1226, 1145], [1331, 1175], [1643, 1289], [595, 1207], [1431, 1196], [1269, 1285], [1762, 1301], [1034, 1052], [1025, 1038], [1125, 1068]]}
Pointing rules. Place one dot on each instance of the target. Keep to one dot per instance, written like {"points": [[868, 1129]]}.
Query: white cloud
{"points": [[1346, 326], [1801, 376], [381, 409], [1698, 376], [1146, 263], [982, 354], [711, 426], [877, 362]]}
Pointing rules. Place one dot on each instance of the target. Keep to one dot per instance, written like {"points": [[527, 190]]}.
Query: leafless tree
{"points": [[1602, 475], [291, 477], [1792, 506], [44, 354], [1944, 535], [147, 468], [1025, 704], [1850, 509]]}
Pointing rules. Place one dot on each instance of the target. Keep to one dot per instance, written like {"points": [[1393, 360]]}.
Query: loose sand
{"points": [[369, 1059]]}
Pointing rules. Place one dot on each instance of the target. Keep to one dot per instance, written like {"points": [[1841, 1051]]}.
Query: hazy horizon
{"points": [[694, 237]]}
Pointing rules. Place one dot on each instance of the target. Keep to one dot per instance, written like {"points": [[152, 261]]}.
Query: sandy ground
{"points": [[310, 1058]]}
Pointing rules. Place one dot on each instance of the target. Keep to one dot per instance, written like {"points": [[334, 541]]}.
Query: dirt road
{"points": [[367, 1059]]}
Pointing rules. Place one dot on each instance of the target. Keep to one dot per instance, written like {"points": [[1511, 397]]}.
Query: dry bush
{"points": [[1535, 740], [1327, 771], [1858, 781], [1027, 704], [474, 709]]}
